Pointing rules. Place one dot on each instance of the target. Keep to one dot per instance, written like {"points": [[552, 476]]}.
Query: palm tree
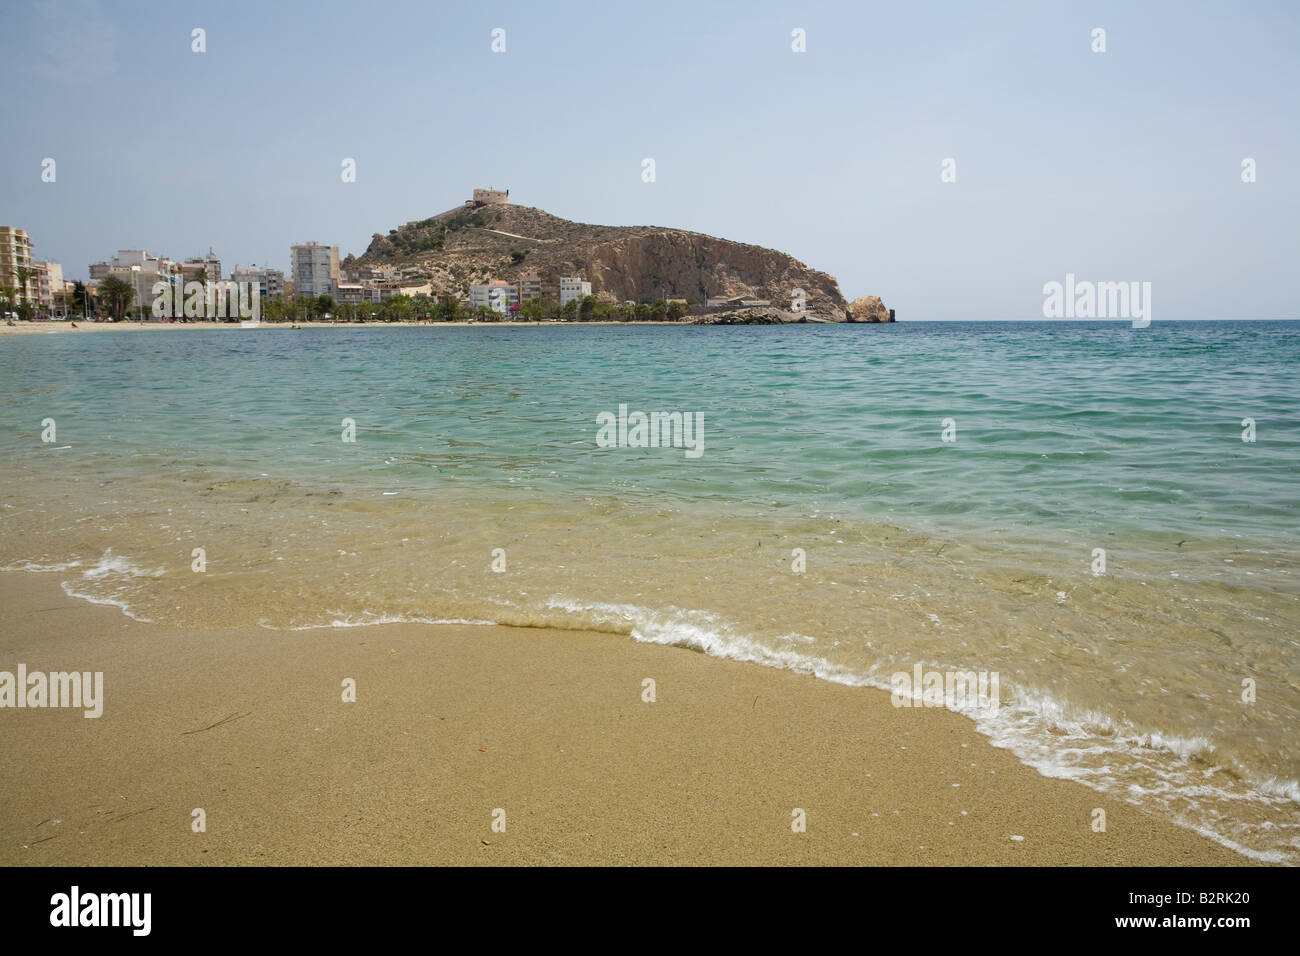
{"points": [[118, 295], [24, 275]]}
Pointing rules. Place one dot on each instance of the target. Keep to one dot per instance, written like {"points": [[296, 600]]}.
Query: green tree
{"points": [[448, 309], [534, 310], [325, 304], [117, 294], [24, 275], [80, 298], [401, 307]]}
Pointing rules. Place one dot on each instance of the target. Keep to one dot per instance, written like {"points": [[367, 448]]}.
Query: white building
{"points": [[140, 270], [315, 269], [47, 284], [572, 289], [497, 295]]}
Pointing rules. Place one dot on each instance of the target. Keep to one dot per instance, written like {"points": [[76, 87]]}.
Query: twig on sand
{"points": [[228, 717], [131, 814]]}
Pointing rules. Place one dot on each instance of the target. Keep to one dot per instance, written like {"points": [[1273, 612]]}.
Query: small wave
{"points": [[97, 599], [370, 619], [1045, 733], [37, 567], [105, 581]]}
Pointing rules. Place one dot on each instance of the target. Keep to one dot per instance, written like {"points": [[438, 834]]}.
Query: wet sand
{"points": [[454, 722]]}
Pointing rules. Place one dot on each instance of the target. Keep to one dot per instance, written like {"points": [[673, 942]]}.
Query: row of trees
{"points": [[116, 297], [445, 308], [14, 298], [113, 297]]}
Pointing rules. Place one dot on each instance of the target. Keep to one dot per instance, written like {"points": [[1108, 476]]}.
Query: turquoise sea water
{"points": [[978, 553]]}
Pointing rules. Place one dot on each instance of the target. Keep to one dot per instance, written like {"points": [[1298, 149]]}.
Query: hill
{"points": [[640, 263]]}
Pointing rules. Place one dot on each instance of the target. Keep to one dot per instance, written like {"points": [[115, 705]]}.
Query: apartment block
{"points": [[46, 285], [536, 287], [15, 254], [270, 282], [573, 288], [497, 295], [315, 269]]}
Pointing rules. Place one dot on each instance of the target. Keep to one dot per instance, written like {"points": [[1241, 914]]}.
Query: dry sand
{"points": [[453, 722]]}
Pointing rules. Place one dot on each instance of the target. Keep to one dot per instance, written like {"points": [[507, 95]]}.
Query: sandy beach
{"points": [[47, 328], [452, 723]]}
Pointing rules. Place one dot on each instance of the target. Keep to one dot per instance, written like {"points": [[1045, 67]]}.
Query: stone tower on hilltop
{"points": [[491, 197]]}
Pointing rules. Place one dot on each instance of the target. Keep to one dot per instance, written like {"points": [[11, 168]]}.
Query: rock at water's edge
{"points": [[868, 308]]}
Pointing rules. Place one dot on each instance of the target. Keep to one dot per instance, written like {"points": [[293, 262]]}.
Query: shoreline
{"points": [[37, 328], [452, 722]]}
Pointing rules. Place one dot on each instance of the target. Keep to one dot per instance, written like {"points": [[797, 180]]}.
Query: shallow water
{"points": [[821, 445]]}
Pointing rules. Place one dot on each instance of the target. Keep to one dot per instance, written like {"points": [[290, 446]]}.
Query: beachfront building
{"points": [[573, 289], [140, 270], [270, 282], [315, 269], [375, 291], [497, 295], [137, 260], [535, 287], [143, 279], [209, 264], [15, 254], [354, 293], [47, 286]]}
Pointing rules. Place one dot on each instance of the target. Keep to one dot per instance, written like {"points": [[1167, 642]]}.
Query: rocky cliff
{"points": [[640, 263]]}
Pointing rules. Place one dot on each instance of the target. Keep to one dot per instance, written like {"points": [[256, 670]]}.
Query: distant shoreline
{"points": [[36, 328]]}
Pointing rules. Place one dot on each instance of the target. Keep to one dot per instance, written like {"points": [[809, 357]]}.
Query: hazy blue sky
{"points": [[1123, 165]]}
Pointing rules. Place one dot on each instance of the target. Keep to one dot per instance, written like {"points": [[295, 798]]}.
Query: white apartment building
{"points": [[315, 269], [141, 270], [127, 260], [573, 288], [497, 295]]}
